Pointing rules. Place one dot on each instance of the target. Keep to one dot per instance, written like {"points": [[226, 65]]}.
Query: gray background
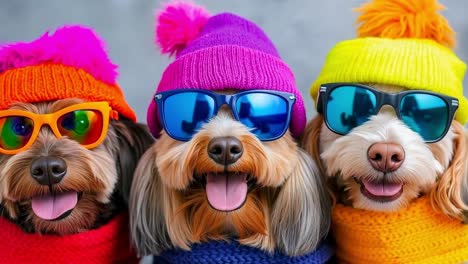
{"points": [[303, 31]]}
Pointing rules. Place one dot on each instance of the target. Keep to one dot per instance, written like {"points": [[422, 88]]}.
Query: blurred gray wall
{"points": [[303, 31]]}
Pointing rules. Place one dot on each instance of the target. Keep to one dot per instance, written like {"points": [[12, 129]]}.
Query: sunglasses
{"points": [[86, 123], [265, 113], [346, 105]]}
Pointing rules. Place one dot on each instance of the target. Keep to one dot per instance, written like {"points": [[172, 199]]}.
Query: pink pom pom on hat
{"points": [[69, 63], [219, 52]]}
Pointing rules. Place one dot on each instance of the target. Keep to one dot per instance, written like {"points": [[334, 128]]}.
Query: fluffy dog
{"points": [[223, 181], [101, 177], [282, 208], [389, 137], [64, 171], [384, 162], [385, 151]]}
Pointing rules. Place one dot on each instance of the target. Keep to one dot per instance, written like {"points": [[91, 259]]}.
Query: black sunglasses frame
{"points": [[220, 100], [383, 98]]}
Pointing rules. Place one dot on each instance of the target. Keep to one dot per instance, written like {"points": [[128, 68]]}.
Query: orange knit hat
{"points": [[71, 63]]}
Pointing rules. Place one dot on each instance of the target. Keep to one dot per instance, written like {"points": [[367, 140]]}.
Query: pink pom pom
{"points": [[73, 45], [178, 24]]}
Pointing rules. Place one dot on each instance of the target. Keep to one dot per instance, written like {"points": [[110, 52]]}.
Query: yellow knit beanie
{"points": [[400, 42]]}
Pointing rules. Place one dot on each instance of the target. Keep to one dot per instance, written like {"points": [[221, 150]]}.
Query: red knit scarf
{"points": [[107, 244]]}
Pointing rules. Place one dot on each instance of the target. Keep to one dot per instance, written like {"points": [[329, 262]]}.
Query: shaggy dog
{"points": [[393, 140], [389, 137], [226, 165], [383, 165], [93, 184], [280, 203], [69, 141]]}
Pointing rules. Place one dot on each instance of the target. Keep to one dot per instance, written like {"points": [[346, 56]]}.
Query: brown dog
{"points": [[283, 206], [100, 177], [226, 164], [69, 141]]}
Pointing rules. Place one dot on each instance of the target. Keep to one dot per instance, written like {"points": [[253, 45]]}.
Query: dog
{"points": [[276, 200], [88, 187], [225, 164], [383, 165], [389, 139]]}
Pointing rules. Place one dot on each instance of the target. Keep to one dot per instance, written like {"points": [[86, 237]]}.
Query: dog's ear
{"points": [[133, 140], [451, 191], [147, 222], [310, 142], [301, 213]]}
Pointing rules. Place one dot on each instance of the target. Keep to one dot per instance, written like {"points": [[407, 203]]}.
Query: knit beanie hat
{"points": [[219, 52], [70, 63], [403, 43]]}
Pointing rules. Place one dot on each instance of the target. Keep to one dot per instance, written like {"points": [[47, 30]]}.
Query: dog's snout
{"points": [[225, 150], [48, 170], [386, 157]]}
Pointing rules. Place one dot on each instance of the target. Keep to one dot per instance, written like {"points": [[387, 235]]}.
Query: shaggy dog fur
{"points": [[438, 169], [102, 176], [286, 207]]}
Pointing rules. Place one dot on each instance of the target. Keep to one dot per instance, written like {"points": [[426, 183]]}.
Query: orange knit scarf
{"points": [[416, 234]]}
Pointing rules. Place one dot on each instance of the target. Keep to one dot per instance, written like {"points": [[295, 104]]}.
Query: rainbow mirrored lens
{"points": [[84, 126], [15, 132]]}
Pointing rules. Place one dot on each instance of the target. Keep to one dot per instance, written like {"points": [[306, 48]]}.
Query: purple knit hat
{"points": [[220, 52]]}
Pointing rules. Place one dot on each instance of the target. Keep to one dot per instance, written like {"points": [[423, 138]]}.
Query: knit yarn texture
{"points": [[107, 244], [69, 63], [415, 64], [233, 252], [230, 52], [49, 82], [416, 234]]}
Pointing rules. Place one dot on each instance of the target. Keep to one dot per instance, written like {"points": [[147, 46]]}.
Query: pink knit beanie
{"points": [[219, 52]]}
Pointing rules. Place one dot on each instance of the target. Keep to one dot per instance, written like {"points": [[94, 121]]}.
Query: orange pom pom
{"points": [[405, 19]]}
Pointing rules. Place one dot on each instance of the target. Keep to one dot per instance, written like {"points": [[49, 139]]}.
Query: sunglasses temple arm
{"points": [[114, 115]]}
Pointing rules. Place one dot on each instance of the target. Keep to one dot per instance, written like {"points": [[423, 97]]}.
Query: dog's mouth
{"points": [[226, 191], [55, 206], [380, 190]]}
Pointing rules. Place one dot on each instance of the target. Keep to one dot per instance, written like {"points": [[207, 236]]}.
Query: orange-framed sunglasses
{"points": [[86, 123]]}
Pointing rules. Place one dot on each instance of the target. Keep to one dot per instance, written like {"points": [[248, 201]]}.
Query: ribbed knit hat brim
{"points": [[419, 64]]}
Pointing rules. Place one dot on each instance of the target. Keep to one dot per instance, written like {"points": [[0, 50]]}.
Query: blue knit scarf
{"points": [[233, 252]]}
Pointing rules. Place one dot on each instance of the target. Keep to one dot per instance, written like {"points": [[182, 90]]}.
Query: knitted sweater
{"points": [[233, 252], [416, 234], [107, 244]]}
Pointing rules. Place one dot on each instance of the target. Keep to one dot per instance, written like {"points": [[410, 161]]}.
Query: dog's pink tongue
{"points": [[226, 191], [50, 207], [382, 189]]}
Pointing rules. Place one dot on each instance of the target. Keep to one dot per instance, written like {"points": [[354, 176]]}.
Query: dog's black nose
{"points": [[225, 150], [48, 170], [386, 157]]}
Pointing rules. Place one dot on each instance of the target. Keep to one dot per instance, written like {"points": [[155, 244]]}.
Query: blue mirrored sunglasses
{"points": [[346, 105], [266, 113]]}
